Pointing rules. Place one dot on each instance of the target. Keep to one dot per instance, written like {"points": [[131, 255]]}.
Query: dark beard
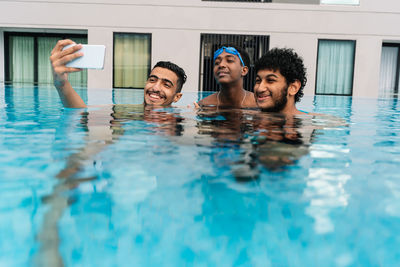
{"points": [[280, 103]]}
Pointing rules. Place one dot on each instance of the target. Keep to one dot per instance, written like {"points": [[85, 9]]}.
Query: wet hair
{"points": [[289, 64], [243, 53], [176, 69]]}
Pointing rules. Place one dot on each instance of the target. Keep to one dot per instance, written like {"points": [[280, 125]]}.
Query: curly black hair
{"points": [[289, 64], [176, 69]]}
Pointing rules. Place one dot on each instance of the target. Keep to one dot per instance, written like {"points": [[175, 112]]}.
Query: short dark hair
{"points": [[289, 64], [243, 53], [176, 69]]}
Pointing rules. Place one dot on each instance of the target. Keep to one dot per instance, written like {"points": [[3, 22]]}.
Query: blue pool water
{"points": [[123, 186]]}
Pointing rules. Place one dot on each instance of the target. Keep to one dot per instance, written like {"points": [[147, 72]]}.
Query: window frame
{"points": [[35, 35], [149, 61], [354, 63], [397, 45]]}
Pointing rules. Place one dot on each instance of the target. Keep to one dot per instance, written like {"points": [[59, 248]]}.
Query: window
{"points": [[255, 45], [340, 2], [314, 2], [27, 58], [264, 1], [390, 70], [132, 59], [335, 67]]}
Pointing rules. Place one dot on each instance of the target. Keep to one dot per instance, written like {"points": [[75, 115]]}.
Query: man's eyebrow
{"points": [[163, 79], [230, 56], [271, 75], [168, 81], [267, 76], [153, 76], [227, 55]]}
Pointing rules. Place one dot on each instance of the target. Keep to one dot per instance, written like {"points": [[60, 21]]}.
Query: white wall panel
{"points": [[367, 66], [181, 48], [102, 78], [306, 46], [176, 26]]}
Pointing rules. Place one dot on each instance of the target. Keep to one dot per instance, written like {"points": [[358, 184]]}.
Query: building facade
{"points": [[349, 47]]}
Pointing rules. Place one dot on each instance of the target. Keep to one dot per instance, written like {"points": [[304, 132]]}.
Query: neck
{"points": [[232, 94], [290, 108]]}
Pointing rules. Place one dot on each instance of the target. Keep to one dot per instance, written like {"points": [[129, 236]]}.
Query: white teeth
{"points": [[155, 96], [263, 96]]}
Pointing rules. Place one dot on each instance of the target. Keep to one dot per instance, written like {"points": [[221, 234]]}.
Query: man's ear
{"points": [[294, 87], [245, 70], [177, 97]]}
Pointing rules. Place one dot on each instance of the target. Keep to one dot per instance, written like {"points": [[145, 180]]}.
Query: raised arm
{"points": [[69, 97]]}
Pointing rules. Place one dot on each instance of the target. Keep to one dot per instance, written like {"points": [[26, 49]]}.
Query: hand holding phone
{"points": [[93, 57]]}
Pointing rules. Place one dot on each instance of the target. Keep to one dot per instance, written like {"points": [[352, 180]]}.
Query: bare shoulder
{"points": [[250, 101], [209, 100]]}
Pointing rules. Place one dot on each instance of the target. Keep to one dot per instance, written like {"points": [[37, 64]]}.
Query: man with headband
{"points": [[230, 67]]}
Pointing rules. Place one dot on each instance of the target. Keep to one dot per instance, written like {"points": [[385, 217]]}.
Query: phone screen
{"points": [[93, 57]]}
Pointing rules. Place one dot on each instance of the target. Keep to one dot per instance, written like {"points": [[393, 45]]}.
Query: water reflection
{"points": [[387, 120], [328, 177], [165, 121], [282, 141], [103, 171], [164, 183], [271, 140], [101, 128]]}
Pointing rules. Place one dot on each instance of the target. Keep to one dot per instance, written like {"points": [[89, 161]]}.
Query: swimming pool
{"points": [[123, 186]]}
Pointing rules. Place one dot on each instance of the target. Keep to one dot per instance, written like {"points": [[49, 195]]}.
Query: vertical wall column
{"points": [[181, 47], [100, 81], [306, 48], [367, 66], [101, 78]]}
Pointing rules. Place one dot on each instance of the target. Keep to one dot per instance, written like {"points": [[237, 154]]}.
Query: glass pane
{"points": [[45, 45], [335, 67], [387, 82], [131, 59], [45, 75], [78, 79], [21, 57]]}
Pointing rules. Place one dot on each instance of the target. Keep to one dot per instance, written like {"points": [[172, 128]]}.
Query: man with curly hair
{"points": [[281, 77]]}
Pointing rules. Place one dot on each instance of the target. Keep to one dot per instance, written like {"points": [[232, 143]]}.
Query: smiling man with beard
{"points": [[163, 86], [280, 80]]}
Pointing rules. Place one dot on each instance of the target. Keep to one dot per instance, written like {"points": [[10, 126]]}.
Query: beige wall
{"points": [[176, 26], [306, 46]]}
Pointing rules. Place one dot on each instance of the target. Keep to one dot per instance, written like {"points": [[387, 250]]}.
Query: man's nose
{"points": [[263, 84], [222, 64], [157, 86]]}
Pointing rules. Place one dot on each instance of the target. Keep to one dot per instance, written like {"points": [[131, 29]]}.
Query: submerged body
{"points": [[151, 183]]}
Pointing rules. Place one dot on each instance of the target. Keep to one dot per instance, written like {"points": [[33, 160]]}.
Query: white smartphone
{"points": [[93, 57]]}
